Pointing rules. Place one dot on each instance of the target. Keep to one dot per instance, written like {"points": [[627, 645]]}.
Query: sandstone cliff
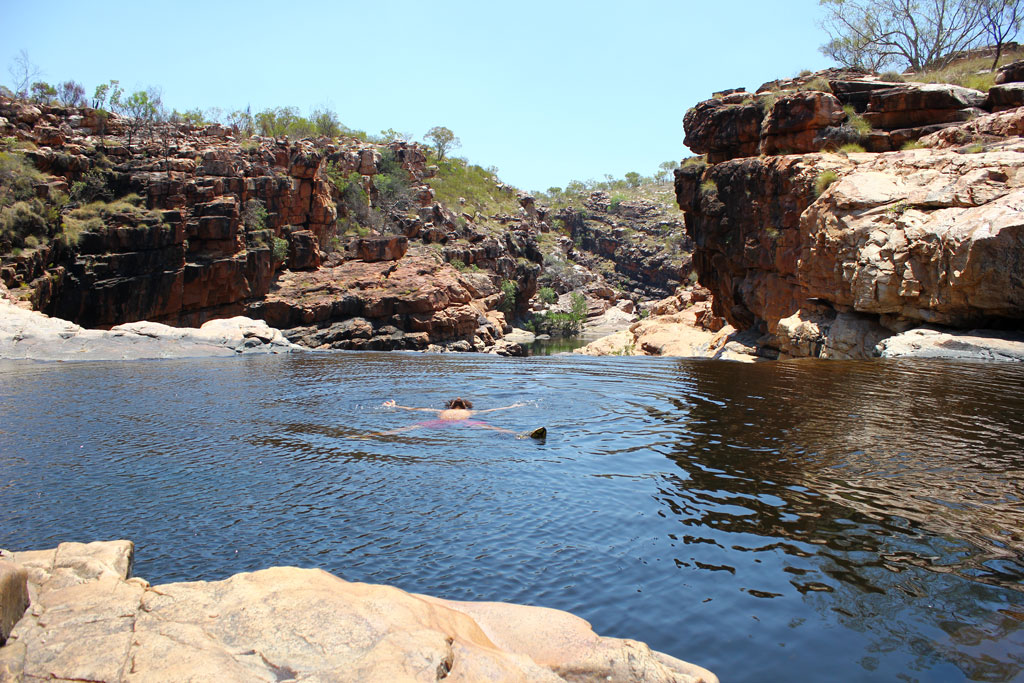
{"points": [[166, 231], [826, 250], [87, 620]]}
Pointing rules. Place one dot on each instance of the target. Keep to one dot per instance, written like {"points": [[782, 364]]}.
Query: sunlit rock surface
{"points": [[89, 621], [30, 335]]}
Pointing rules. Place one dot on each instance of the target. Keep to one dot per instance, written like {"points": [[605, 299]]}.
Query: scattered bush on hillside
{"points": [[969, 73], [97, 214], [17, 177], [818, 84], [22, 214], [23, 223], [71, 94], [395, 193], [93, 186], [852, 148], [856, 121], [458, 179], [561, 323], [546, 295]]}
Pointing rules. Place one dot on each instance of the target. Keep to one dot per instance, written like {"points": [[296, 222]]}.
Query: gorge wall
{"points": [[172, 241], [835, 252]]}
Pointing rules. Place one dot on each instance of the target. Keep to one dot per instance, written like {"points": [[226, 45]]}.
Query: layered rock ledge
{"points": [[88, 620], [830, 253], [30, 335]]}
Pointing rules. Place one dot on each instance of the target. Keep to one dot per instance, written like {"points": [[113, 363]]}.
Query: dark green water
{"points": [[782, 521]]}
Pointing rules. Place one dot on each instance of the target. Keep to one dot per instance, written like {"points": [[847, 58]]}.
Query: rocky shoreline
{"points": [[75, 613], [30, 335]]}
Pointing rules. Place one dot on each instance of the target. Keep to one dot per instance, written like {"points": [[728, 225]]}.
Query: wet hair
{"points": [[458, 404]]}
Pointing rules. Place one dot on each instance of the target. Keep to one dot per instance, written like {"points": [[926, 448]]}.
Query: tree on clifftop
{"points": [[1001, 20], [140, 111], [23, 72], [916, 33], [443, 139]]}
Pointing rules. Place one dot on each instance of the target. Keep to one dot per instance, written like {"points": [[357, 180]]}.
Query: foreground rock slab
{"points": [[30, 335], [89, 621]]}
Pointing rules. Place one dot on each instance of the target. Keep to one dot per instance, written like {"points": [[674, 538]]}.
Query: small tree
{"points": [[919, 33], [71, 94], [443, 140], [325, 123], [633, 179], [140, 110], [242, 122], [392, 135], [1001, 20], [666, 170], [43, 93], [23, 73], [106, 94]]}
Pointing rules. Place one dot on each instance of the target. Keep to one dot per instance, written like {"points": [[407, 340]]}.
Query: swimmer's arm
{"points": [[392, 404], [491, 410]]}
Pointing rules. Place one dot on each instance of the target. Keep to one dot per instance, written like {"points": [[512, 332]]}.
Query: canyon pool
{"points": [[781, 521]]}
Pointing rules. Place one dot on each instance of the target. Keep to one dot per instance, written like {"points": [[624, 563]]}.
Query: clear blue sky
{"points": [[546, 91]]}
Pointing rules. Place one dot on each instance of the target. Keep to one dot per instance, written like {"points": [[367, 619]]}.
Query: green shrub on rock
{"points": [[280, 250], [825, 179], [509, 289], [23, 222]]}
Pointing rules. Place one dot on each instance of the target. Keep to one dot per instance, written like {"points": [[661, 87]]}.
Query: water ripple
{"points": [[862, 518]]}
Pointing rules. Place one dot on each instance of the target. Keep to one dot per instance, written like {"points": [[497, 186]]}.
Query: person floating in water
{"points": [[459, 410]]}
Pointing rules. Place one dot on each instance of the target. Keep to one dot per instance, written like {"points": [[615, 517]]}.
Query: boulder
{"points": [[384, 248], [287, 623], [723, 131], [925, 342], [858, 91], [1007, 124], [1003, 97], [921, 104], [303, 250], [796, 120], [1010, 73]]}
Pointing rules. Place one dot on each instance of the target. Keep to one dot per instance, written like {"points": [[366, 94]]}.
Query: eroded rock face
{"points": [[193, 249], [724, 130], [89, 621], [812, 113], [638, 245], [896, 241], [409, 304]]}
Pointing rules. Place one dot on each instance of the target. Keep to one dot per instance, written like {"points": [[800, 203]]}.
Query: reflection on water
{"points": [[550, 347], [850, 521]]}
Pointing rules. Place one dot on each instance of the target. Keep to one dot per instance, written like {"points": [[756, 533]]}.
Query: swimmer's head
{"points": [[458, 404]]}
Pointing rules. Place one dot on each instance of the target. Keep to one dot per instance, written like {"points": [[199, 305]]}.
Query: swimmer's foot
{"points": [[538, 433]]}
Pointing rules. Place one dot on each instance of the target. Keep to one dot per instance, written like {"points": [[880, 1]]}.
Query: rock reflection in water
{"points": [[850, 479]]}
